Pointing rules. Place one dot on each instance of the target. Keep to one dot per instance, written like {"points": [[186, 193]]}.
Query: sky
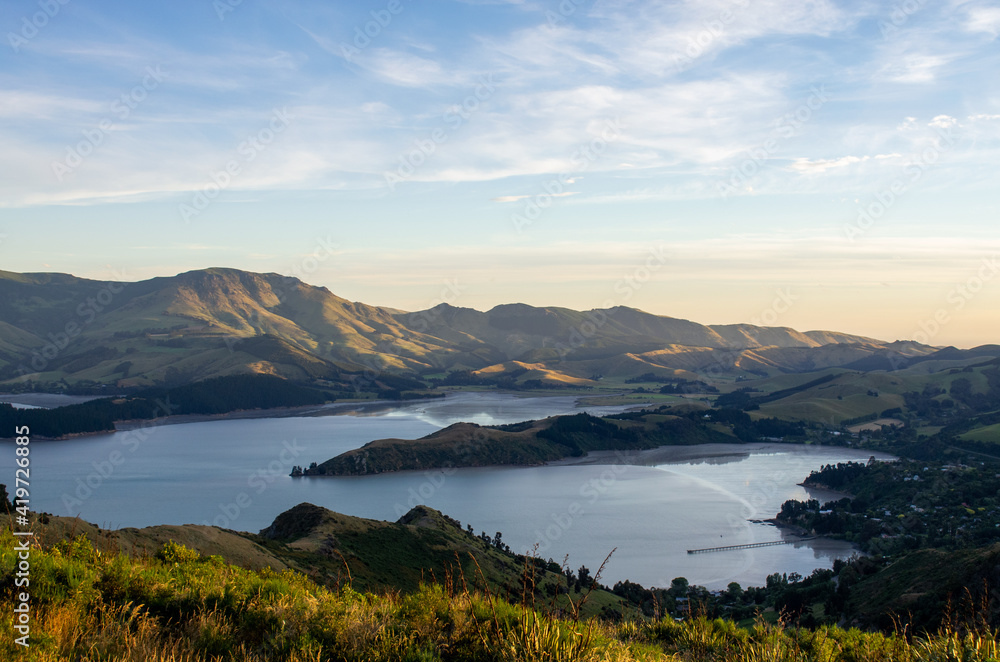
{"points": [[813, 164]]}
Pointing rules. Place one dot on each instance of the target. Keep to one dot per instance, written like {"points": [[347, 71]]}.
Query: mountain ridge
{"points": [[61, 329]]}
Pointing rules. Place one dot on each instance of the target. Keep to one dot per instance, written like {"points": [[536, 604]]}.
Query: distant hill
{"points": [[338, 550], [60, 331], [527, 443]]}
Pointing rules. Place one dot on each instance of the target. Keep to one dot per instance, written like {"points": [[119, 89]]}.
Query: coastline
{"points": [[328, 409], [337, 408], [678, 454]]}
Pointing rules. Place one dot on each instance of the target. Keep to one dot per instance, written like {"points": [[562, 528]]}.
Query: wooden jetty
{"points": [[751, 545]]}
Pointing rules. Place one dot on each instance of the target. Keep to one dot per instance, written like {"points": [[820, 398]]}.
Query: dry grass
{"points": [[181, 607]]}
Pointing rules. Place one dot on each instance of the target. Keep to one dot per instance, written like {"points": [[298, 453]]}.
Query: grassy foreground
{"points": [[179, 606]]}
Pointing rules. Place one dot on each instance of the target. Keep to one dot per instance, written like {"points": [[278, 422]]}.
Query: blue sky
{"points": [[810, 164]]}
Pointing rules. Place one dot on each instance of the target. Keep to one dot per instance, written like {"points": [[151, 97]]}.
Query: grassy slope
{"points": [[201, 312], [423, 545], [847, 396], [530, 443], [329, 547], [922, 580], [460, 444], [989, 433], [180, 606]]}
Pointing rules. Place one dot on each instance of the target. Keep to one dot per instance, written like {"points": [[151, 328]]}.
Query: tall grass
{"points": [[179, 607]]}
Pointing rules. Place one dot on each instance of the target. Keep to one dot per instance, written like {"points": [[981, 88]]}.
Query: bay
{"points": [[652, 507]]}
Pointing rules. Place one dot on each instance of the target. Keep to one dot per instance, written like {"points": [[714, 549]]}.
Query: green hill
{"points": [[91, 602], [527, 443], [59, 331], [335, 549]]}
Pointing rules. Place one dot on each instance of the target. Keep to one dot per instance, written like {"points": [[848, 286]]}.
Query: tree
{"points": [[679, 586]]}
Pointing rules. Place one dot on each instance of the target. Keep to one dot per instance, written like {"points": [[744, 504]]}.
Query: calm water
{"points": [[234, 473]]}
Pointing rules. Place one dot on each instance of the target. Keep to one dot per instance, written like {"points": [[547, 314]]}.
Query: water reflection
{"points": [[653, 506]]}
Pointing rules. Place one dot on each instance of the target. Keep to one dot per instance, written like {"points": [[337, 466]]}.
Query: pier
{"points": [[746, 546]]}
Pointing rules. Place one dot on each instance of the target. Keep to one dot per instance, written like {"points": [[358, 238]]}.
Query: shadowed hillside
{"points": [[59, 331]]}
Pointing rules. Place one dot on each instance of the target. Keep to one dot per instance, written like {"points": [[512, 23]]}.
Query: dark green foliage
{"points": [[527, 443], [94, 416], [581, 432], [741, 399], [898, 507], [748, 430], [213, 396]]}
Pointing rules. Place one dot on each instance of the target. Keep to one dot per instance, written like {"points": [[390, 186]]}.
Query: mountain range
{"points": [[61, 330]]}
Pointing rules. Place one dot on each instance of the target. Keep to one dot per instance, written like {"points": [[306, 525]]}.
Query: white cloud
{"points": [[515, 198], [374, 107], [806, 165], [822, 165], [25, 104], [913, 67], [984, 19], [943, 122], [405, 69]]}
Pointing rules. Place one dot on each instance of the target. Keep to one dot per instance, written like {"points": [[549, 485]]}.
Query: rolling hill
{"points": [[59, 331], [338, 550]]}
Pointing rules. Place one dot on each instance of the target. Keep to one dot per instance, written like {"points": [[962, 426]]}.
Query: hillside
{"points": [[58, 331], [192, 326], [555, 438], [89, 603], [215, 396], [336, 550]]}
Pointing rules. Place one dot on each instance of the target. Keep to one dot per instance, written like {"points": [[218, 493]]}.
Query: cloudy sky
{"points": [[814, 164]]}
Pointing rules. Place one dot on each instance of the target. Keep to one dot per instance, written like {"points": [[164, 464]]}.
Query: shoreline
{"points": [[650, 457], [341, 408], [328, 409], [683, 453]]}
